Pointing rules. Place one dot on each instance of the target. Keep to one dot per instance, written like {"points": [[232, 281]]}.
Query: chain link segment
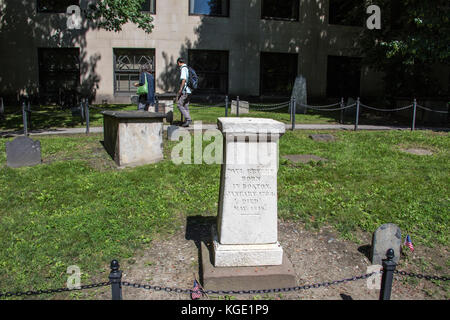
{"points": [[49, 291], [428, 109], [421, 276]]}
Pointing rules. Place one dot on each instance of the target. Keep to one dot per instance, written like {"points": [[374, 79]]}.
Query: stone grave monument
{"points": [[23, 152], [245, 249], [244, 107], [387, 236], [300, 94], [133, 138]]}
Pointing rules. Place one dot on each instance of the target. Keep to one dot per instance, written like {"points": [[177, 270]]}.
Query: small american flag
{"points": [[197, 291], [408, 243]]}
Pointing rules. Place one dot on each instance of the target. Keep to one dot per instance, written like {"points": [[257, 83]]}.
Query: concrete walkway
{"points": [[298, 126]]}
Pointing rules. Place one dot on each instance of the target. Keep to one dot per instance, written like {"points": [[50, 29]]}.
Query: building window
{"points": [[343, 77], [149, 6], [127, 64], [276, 9], [209, 7], [346, 12], [55, 6], [212, 70], [278, 72], [59, 72]]}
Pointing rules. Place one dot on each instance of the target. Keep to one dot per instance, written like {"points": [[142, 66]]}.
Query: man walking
{"points": [[184, 93]]}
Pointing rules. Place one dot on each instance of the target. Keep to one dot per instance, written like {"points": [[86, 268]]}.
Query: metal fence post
{"points": [[226, 106], [2, 109], [357, 114], [24, 118], [237, 106], [293, 113], [413, 127], [81, 107], [342, 110], [115, 277], [29, 115], [87, 115], [388, 275], [290, 109]]}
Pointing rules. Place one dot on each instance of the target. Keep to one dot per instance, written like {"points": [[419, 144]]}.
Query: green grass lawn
{"points": [[78, 209]]}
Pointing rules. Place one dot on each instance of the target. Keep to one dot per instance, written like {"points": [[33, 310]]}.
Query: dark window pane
{"points": [[212, 70], [127, 64], [209, 7], [149, 5], [280, 9], [59, 72], [55, 6], [343, 77], [278, 72], [346, 12]]}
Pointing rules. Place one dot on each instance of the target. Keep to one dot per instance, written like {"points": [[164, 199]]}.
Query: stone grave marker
{"points": [[244, 107], [387, 236], [23, 152], [322, 137], [304, 158], [300, 94], [245, 248]]}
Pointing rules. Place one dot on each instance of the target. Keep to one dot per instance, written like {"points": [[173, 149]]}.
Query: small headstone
{"points": [[173, 133], [134, 99], [322, 137], [23, 152], [299, 93], [244, 107], [352, 110], [388, 236], [304, 158], [418, 151]]}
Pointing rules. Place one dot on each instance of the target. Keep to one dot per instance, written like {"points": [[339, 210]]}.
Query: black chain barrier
{"points": [[256, 291], [222, 292], [50, 291], [421, 276]]}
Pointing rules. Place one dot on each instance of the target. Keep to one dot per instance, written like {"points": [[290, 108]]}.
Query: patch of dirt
{"points": [[317, 256]]}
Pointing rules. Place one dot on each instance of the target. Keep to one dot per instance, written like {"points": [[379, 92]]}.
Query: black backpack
{"points": [[192, 82]]}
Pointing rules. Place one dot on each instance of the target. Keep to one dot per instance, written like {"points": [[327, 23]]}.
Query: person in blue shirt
{"points": [[146, 100]]}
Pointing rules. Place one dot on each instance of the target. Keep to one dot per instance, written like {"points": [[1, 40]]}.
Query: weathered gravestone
{"points": [[246, 235], [304, 158], [244, 107], [322, 137], [388, 236], [350, 111], [23, 152], [174, 132], [300, 94]]}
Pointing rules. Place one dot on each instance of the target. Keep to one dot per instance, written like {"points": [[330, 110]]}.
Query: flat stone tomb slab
{"points": [[133, 138]]}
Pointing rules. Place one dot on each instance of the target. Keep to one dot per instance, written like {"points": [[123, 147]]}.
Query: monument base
{"points": [[246, 255], [245, 278]]}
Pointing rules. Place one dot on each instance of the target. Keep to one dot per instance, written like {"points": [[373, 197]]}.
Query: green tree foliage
{"points": [[111, 15], [414, 36]]}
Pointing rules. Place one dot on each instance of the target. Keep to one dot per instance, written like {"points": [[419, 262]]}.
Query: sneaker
{"points": [[186, 123]]}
